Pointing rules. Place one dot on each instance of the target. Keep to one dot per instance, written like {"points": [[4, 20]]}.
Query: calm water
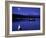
{"points": [[26, 25]]}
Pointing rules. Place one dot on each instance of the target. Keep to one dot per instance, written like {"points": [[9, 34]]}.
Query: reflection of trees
{"points": [[16, 17]]}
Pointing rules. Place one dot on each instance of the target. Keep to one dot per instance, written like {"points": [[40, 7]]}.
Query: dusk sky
{"points": [[26, 10]]}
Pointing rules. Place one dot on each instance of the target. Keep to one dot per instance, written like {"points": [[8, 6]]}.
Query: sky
{"points": [[26, 10]]}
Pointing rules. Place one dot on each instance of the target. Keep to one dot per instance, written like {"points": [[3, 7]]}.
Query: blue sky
{"points": [[26, 10]]}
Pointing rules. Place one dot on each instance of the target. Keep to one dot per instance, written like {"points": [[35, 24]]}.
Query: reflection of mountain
{"points": [[17, 17]]}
